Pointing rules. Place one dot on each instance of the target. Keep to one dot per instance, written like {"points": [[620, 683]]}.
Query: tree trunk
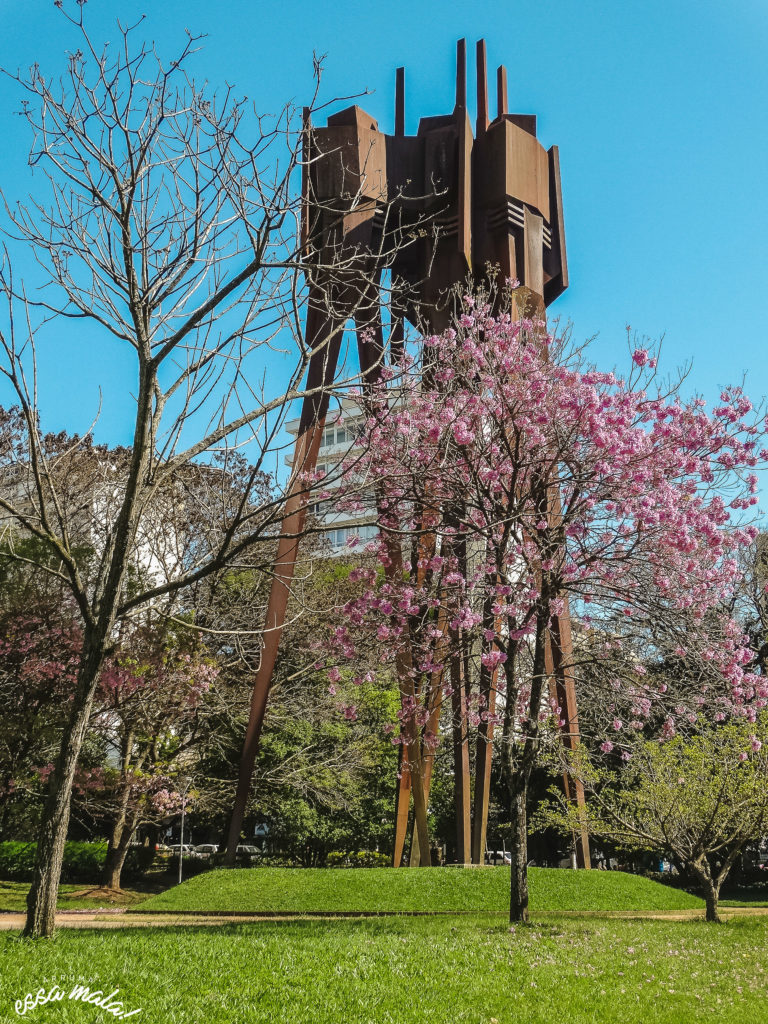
{"points": [[113, 865], [711, 900], [413, 856], [461, 776], [518, 896], [518, 772], [515, 776], [122, 828], [5, 808], [117, 850], [710, 890], [42, 896], [41, 900]]}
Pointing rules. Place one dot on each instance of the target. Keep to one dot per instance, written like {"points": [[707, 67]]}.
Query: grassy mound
{"points": [[405, 890]]}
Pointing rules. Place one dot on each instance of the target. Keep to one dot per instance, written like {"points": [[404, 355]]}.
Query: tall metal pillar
{"points": [[324, 338]]}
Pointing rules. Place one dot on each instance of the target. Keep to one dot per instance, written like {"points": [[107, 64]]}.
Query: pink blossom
{"points": [[642, 476], [493, 658], [640, 356]]}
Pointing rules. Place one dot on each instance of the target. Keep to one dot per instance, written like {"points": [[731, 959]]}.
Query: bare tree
{"points": [[170, 222]]}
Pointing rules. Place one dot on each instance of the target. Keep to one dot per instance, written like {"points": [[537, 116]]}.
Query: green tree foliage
{"points": [[325, 777], [700, 799], [325, 783]]}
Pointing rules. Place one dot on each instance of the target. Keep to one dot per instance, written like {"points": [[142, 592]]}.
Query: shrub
{"points": [[360, 859], [138, 860], [190, 866], [83, 862], [276, 860], [17, 860]]}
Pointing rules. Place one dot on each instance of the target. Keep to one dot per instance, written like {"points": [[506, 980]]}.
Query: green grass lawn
{"points": [[13, 896], [402, 970], [293, 890]]}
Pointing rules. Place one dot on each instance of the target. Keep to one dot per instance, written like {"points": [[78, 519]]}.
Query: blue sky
{"points": [[659, 110]]}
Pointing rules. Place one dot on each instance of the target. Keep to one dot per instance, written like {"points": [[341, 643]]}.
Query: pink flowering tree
{"points": [[39, 645], [549, 484], [151, 713]]}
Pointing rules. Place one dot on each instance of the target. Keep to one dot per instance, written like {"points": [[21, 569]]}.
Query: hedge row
{"points": [[83, 862], [361, 859]]}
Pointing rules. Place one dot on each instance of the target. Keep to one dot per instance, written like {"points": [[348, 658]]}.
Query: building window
{"points": [[337, 435], [339, 538]]}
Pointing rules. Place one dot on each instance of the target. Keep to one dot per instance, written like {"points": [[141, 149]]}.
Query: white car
{"points": [[187, 852], [206, 850], [248, 851], [498, 857]]}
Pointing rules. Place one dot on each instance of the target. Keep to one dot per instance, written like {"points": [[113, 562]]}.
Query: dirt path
{"points": [[123, 919]]}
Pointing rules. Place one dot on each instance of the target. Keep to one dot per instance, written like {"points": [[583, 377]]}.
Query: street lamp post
{"points": [[184, 784]]}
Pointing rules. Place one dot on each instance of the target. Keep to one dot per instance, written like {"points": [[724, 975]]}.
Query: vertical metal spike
{"points": [[501, 92], [461, 74], [400, 101], [482, 88]]}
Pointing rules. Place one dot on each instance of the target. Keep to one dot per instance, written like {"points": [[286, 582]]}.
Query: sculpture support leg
{"points": [[325, 339], [483, 776], [461, 779], [559, 654], [559, 665], [402, 806], [370, 349], [428, 757]]}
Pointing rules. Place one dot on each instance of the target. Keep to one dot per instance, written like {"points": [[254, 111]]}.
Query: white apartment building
{"points": [[346, 531], [88, 494]]}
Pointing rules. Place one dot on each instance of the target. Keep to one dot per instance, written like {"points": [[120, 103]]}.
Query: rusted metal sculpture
{"points": [[431, 208]]}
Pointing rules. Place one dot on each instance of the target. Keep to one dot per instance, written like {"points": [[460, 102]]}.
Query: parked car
{"points": [[187, 852], [248, 851], [498, 857], [206, 850]]}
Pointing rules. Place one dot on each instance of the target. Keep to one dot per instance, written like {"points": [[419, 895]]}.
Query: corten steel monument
{"points": [[430, 208]]}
